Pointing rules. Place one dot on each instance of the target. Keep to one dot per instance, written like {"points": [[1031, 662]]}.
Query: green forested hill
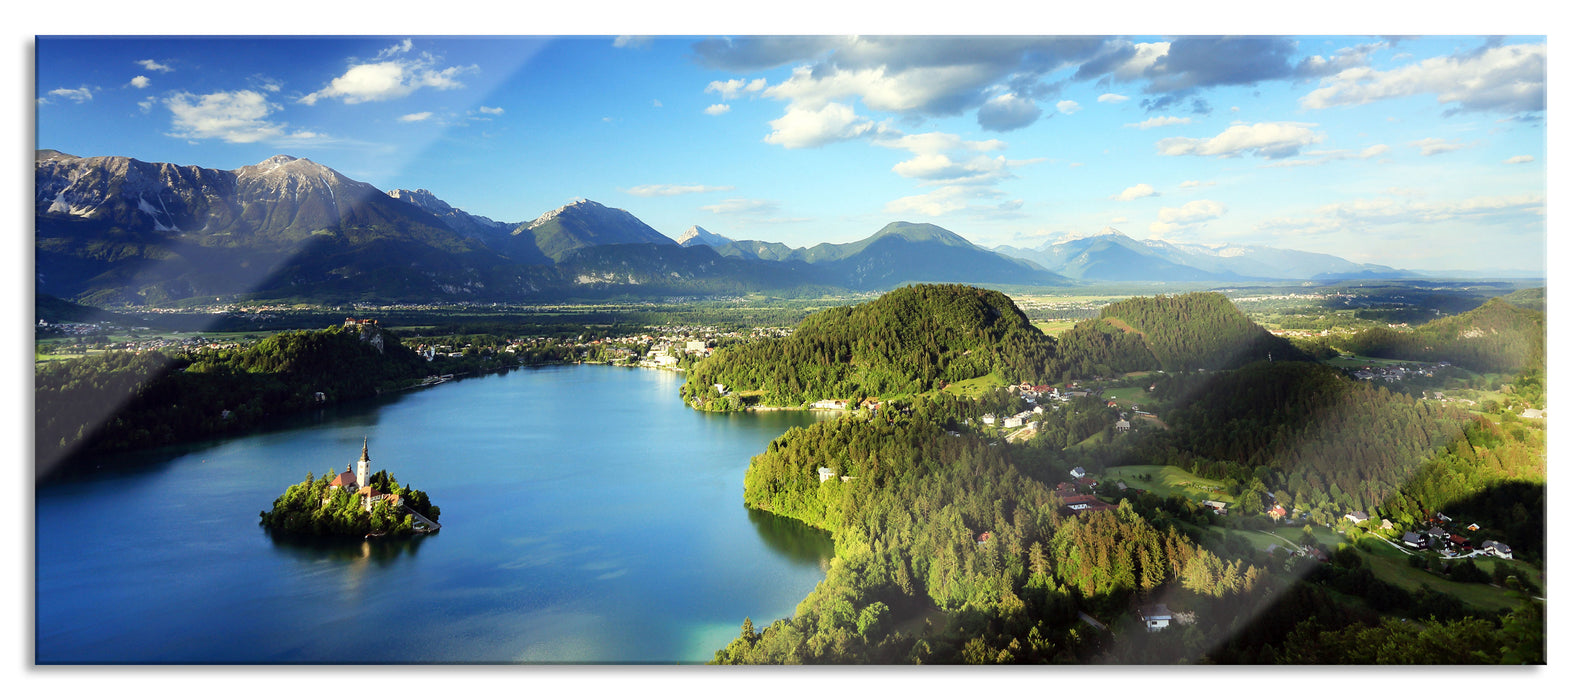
{"points": [[1200, 330], [1495, 337], [124, 401], [905, 342]]}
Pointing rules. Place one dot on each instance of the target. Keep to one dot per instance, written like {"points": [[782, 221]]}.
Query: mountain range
{"points": [[114, 230]]}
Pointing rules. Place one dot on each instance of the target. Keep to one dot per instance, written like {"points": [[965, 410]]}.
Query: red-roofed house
{"points": [[1277, 512]]}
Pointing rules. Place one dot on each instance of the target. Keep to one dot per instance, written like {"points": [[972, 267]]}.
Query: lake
{"points": [[588, 516]]}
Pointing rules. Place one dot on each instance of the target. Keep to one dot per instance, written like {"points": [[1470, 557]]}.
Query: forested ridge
{"points": [[127, 401], [907, 522], [952, 547], [908, 341], [1198, 330], [1495, 337]]}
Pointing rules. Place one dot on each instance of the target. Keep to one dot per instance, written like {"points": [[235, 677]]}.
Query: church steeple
{"points": [[362, 466]]}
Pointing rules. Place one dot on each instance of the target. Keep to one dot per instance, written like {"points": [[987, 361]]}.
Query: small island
{"points": [[351, 504]]}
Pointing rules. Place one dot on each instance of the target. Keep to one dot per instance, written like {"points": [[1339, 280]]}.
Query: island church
{"points": [[359, 483]]}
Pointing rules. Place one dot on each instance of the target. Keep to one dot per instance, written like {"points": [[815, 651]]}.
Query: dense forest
{"points": [[125, 401], [1495, 337], [908, 341], [1199, 330], [948, 552], [312, 507], [953, 547]]}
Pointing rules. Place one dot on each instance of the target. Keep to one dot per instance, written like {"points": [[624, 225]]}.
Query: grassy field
{"points": [[1128, 395], [1170, 481], [1390, 565], [976, 386], [1056, 326]]}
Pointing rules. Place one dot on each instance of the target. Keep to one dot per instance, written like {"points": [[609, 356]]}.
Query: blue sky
{"points": [[1424, 153]]}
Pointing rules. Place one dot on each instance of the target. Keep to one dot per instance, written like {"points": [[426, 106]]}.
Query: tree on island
{"points": [[315, 507]]}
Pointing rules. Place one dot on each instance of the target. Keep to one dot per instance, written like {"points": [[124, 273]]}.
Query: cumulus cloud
{"points": [[1008, 112], [1379, 212], [1267, 140], [942, 201], [78, 95], [1157, 122], [1514, 160], [716, 110], [1137, 191], [1194, 184], [1322, 157], [416, 116], [1510, 79], [1189, 215], [390, 75], [240, 116], [673, 190], [1068, 106], [496, 111], [152, 65], [1436, 146], [806, 128], [940, 158], [1110, 97], [736, 87], [139, 82], [627, 41], [908, 76]]}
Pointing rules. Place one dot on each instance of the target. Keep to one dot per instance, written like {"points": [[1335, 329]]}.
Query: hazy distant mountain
{"points": [[906, 252], [492, 233], [581, 224], [1112, 255]]}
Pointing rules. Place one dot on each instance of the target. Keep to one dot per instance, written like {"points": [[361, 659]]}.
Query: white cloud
{"points": [[941, 201], [737, 87], [1267, 140], [1137, 191], [78, 95], [716, 110], [235, 117], [1322, 157], [1008, 112], [390, 76], [1191, 214], [139, 82], [673, 190], [633, 42], [806, 128], [1068, 106], [657, 103], [743, 207], [1157, 122], [1110, 97], [1436, 146], [152, 65], [1373, 214], [1497, 78], [496, 111], [148, 105], [1514, 160], [1194, 184], [416, 116]]}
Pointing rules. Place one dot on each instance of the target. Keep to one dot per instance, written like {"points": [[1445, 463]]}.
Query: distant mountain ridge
{"points": [[114, 230], [1113, 256]]}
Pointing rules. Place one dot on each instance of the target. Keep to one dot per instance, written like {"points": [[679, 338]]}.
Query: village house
{"points": [[1123, 425], [1277, 512], [983, 538], [1219, 507], [1496, 549], [1085, 504], [1155, 617], [989, 419], [1078, 473], [1414, 540], [824, 474], [1357, 517], [1013, 422]]}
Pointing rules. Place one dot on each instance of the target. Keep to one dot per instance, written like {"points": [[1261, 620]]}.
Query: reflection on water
{"points": [[794, 540], [376, 550]]}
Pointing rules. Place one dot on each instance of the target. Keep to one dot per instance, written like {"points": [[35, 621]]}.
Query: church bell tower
{"points": [[362, 466]]}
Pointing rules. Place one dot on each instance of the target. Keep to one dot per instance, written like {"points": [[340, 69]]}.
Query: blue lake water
{"points": [[588, 516]]}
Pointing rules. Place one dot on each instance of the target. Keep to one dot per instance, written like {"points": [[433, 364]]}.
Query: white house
{"points": [[1357, 517], [1123, 424], [824, 474], [989, 419], [1078, 473], [1496, 549], [1013, 422], [1155, 617]]}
